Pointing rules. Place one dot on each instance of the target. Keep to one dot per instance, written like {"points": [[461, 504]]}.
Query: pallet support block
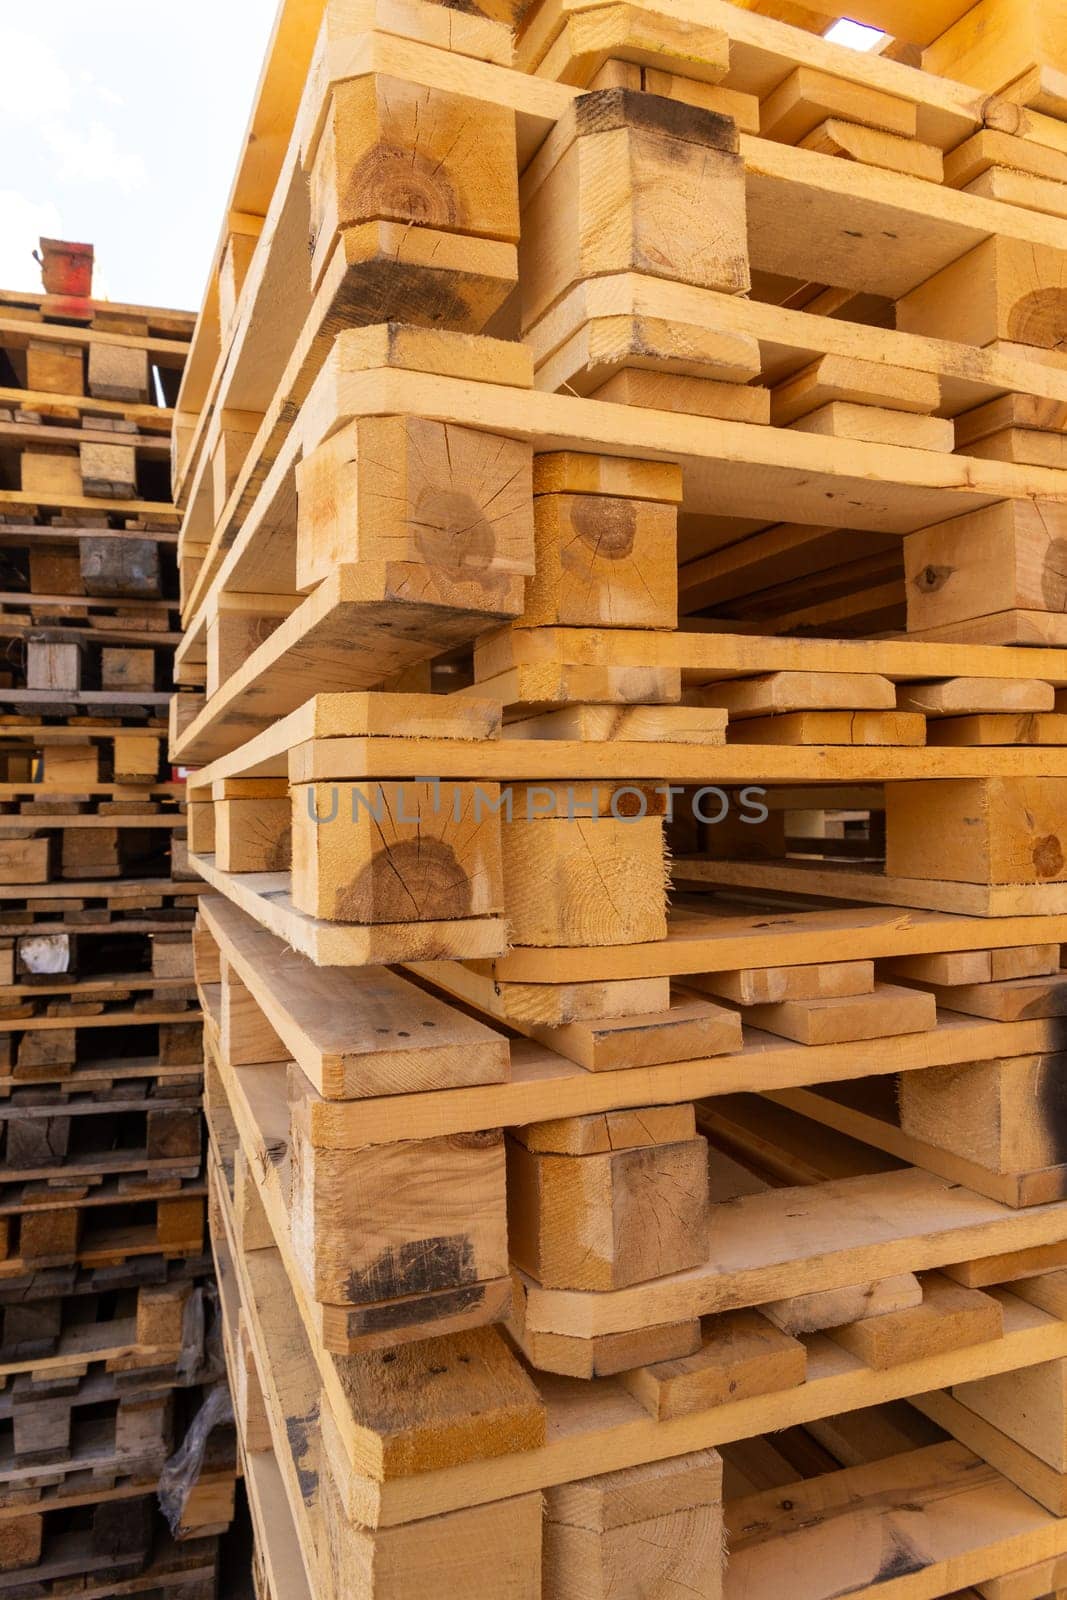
{"points": [[24, 860], [642, 1531], [20, 1541], [604, 559], [493, 1551], [996, 831], [245, 1035], [452, 504], [236, 436], [397, 852], [55, 368], [1029, 1406], [1005, 1115], [604, 1221], [127, 669], [53, 666], [420, 186], [118, 372], [240, 624], [42, 1050], [51, 473], [109, 471], [120, 568], [1002, 290], [1001, 563], [588, 881], [253, 829], [135, 757], [630, 181], [409, 1222]]}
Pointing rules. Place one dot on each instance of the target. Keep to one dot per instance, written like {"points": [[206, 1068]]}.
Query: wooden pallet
{"points": [[734, 1126], [50, 1331], [67, 1146], [73, 1049], [180, 1570], [120, 1549], [274, 1135], [139, 1216], [145, 996], [108, 1079], [72, 905], [117, 846], [923, 1221], [39, 1427], [689, 1402], [102, 1298]]}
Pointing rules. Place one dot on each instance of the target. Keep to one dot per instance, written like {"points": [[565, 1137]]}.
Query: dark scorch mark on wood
{"points": [[420, 1266], [297, 1430]]}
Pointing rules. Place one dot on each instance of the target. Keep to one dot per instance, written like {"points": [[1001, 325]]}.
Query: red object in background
{"points": [[66, 268]]}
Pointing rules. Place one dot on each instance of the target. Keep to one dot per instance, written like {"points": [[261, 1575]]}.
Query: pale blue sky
{"points": [[120, 124]]}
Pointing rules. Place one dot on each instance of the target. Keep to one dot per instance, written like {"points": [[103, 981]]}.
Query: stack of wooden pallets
{"points": [[619, 480], [103, 1266]]}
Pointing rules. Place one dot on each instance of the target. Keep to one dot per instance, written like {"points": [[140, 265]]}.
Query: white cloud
{"points": [[37, 86], [95, 156], [22, 223], [42, 95]]}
